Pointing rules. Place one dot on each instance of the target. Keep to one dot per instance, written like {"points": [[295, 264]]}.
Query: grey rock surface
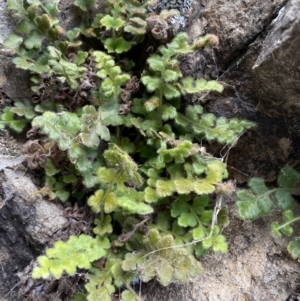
{"points": [[277, 68], [44, 218], [242, 27], [6, 22], [27, 222]]}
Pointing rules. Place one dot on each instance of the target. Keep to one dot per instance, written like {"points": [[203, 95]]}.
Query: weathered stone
{"points": [[242, 27], [15, 83], [27, 223], [277, 68], [236, 23]]}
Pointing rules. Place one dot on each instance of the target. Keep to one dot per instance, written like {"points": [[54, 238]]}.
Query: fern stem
{"points": [[109, 189], [128, 286], [289, 222], [273, 190]]}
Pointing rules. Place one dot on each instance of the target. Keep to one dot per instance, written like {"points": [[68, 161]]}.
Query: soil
{"points": [[257, 267]]}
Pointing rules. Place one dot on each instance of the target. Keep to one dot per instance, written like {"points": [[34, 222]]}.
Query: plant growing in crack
{"points": [[125, 141], [261, 200]]}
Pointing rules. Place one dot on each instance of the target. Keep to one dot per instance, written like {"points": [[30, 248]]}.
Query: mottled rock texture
{"points": [[258, 62], [245, 30], [277, 68], [256, 268], [27, 223]]}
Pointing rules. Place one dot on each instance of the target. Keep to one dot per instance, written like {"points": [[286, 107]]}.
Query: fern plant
{"points": [[261, 200], [154, 180]]}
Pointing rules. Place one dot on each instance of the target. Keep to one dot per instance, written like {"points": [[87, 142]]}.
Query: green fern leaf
{"points": [[187, 220], [95, 200], [8, 118], [109, 110], [134, 207], [42, 272], [193, 112], [294, 248], [13, 42], [275, 229], [89, 139], [156, 63], [257, 186], [131, 261], [199, 232], [43, 22], [68, 179], [211, 85], [189, 85], [16, 5], [56, 271], [50, 7], [265, 204], [203, 187], [164, 220], [165, 188], [179, 207], [32, 10], [106, 175], [223, 218], [62, 194], [103, 227], [135, 31], [24, 109], [168, 112], [184, 186], [115, 157], [80, 57], [284, 199], [288, 177], [128, 296], [110, 22], [117, 45], [110, 203], [287, 230], [170, 91], [151, 195], [34, 40], [247, 205], [216, 171], [68, 255], [171, 75], [84, 5], [165, 272], [152, 83], [151, 104], [288, 216], [199, 203], [23, 62], [220, 245], [50, 168]]}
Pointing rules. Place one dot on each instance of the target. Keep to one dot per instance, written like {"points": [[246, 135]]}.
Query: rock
{"points": [[15, 83], [27, 223], [276, 70], [242, 27], [42, 218]]}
